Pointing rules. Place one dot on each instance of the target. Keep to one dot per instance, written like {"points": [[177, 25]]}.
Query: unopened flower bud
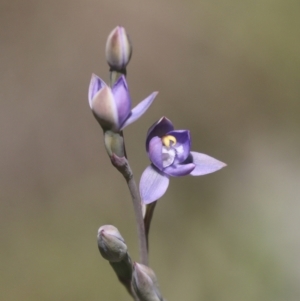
{"points": [[111, 244], [118, 49], [145, 284]]}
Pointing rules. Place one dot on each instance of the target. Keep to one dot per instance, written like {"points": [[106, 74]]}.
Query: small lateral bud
{"points": [[111, 244], [118, 49], [145, 284]]}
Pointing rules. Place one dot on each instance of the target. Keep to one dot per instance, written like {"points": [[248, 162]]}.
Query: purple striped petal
{"points": [[183, 145], [122, 99], [204, 164], [140, 109], [96, 84], [178, 170], [160, 129], [155, 152], [153, 184]]}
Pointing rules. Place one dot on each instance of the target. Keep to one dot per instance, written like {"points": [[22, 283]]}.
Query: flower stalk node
{"points": [[121, 164], [114, 144]]}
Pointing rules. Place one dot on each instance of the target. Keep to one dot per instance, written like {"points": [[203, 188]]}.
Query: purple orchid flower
{"points": [[112, 106], [170, 155]]}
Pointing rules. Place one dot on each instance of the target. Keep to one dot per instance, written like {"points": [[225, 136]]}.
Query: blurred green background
{"points": [[226, 70]]}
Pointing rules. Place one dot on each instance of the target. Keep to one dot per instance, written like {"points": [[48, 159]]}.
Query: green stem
{"points": [[135, 195], [123, 166]]}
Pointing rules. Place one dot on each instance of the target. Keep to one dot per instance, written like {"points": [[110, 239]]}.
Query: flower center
{"points": [[168, 141], [168, 152]]}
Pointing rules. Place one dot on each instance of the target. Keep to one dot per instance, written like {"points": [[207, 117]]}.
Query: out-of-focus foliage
{"points": [[226, 70]]}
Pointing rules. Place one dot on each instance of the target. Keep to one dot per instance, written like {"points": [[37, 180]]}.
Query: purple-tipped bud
{"points": [[111, 244], [145, 284], [118, 49]]}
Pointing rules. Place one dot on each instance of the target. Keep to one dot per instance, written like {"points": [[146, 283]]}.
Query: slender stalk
{"points": [[135, 195], [123, 166]]}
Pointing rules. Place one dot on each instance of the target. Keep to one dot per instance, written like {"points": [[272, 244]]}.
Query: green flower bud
{"points": [[118, 49], [111, 244], [145, 284]]}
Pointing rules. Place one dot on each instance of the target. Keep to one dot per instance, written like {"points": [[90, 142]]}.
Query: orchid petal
{"points": [[104, 109], [140, 109], [122, 99], [178, 170], [155, 152], [160, 129], [96, 84], [204, 164], [153, 184], [183, 144]]}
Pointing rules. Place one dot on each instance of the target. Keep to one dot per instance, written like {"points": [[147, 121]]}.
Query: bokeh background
{"points": [[226, 70]]}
